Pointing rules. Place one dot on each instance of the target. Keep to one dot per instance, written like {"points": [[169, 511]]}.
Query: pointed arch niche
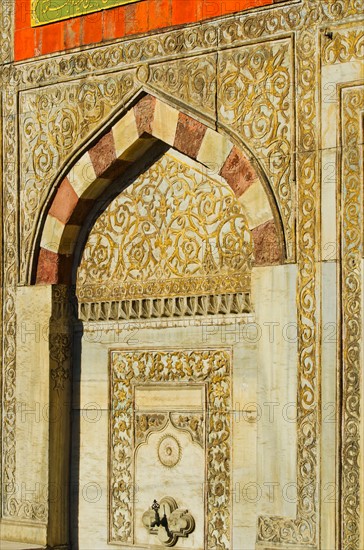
{"points": [[160, 217]]}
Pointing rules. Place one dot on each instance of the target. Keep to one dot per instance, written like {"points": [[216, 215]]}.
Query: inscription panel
{"points": [[45, 12]]}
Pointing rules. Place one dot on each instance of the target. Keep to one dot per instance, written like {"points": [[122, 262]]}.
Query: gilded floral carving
{"points": [[55, 121], [192, 82], [343, 47], [256, 100], [352, 103], [6, 32], [10, 504], [145, 423], [173, 232], [304, 529], [193, 423]]}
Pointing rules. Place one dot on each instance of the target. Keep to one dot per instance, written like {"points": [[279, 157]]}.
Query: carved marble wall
{"points": [[283, 83]]}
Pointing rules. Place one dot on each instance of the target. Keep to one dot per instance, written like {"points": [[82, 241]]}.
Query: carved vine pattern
{"points": [[128, 368], [145, 423], [60, 337], [6, 31], [55, 121], [344, 47], [11, 505], [232, 31], [304, 529], [192, 82], [255, 99], [60, 345], [352, 103], [173, 232], [192, 422]]}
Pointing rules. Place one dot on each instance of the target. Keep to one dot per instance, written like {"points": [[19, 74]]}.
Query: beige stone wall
{"points": [[33, 307]]}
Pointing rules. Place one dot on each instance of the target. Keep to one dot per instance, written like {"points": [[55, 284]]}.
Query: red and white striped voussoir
{"points": [[127, 141]]}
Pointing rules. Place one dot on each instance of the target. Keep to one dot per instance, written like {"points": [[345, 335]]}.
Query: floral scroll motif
{"points": [[138, 367], [304, 529], [193, 82], [351, 314], [6, 31], [173, 232], [193, 423], [145, 423], [255, 99], [55, 121], [344, 47]]}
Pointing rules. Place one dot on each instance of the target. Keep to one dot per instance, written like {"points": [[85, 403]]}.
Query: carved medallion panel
{"points": [[169, 429]]}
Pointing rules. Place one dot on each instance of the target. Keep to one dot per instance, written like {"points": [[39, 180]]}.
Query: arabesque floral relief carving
{"points": [[352, 102], [129, 368], [256, 87], [173, 232]]}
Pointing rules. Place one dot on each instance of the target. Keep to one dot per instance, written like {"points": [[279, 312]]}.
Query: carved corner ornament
{"points": [[173, 524]]}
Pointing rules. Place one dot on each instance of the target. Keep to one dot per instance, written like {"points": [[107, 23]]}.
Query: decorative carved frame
{"points": [[351, 228], [6, 32], [209, 366], [303, 21]]}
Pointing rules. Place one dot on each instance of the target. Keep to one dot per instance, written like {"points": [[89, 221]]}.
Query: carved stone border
{"points": [[350, 315], [304, 529], [6, 30], [133, 367], [10, 506], [226, 31]]}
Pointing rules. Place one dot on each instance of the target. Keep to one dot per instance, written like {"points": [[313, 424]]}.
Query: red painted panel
{"points": [[91, 32], [114, 24], [72, 33], [24, 44], [141, 17], [159, 13], [136, 18], [53, 41], [183, 12]]}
